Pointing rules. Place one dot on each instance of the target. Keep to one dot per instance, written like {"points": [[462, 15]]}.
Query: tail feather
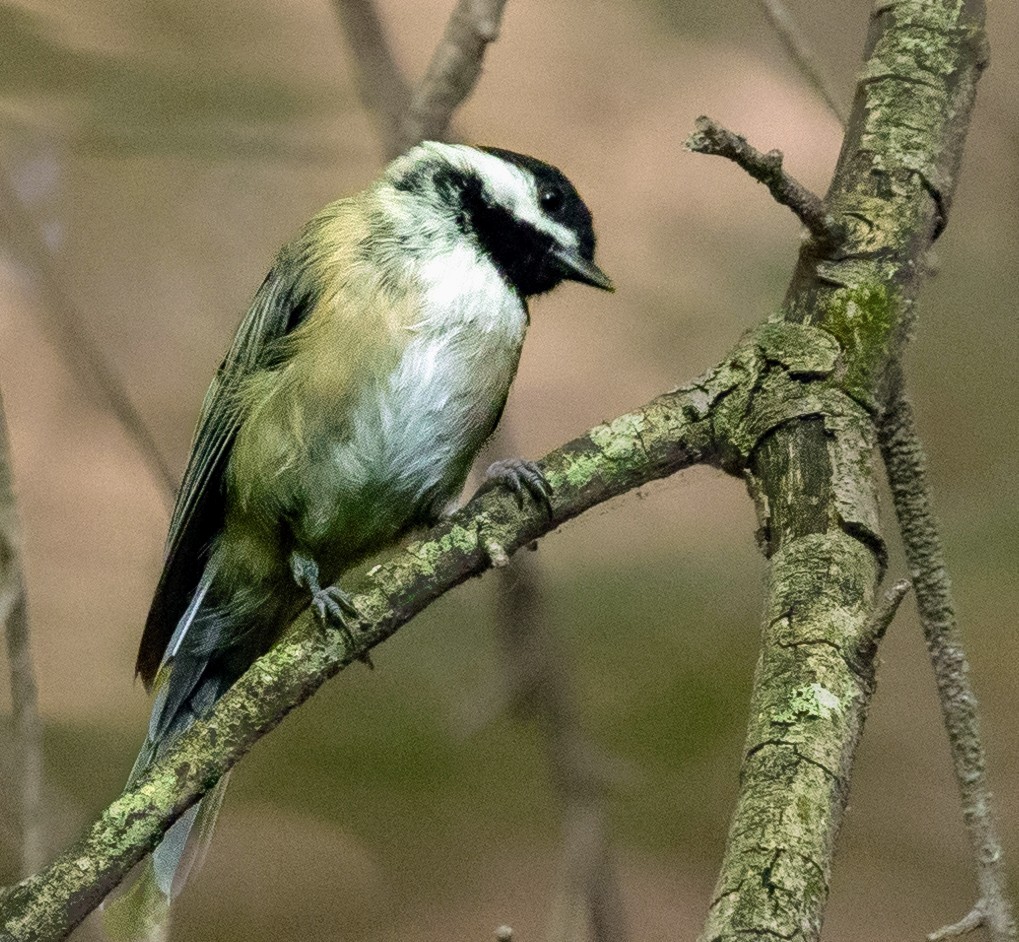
{"points": [[141, 913], [185, 845], [189, 682]]}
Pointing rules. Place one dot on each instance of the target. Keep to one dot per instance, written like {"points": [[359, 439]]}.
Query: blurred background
{"points": [[164, 150]]}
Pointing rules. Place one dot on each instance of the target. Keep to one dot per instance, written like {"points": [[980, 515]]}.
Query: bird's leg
{"points": [[332, 606], [520, 477]]}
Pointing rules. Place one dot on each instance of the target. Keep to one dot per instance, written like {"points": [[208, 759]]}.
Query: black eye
{"points": [[551, 199]]}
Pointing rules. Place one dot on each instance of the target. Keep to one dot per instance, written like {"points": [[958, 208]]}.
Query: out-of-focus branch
{"points": [[713, 139], [906, 465], [801, 52], [380, 83], [406, 118], [453, 71], [536, 676], [81, 353], [24, 696]]}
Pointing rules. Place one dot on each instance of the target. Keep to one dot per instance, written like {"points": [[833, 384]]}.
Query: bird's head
{"points": [[522, 213]]}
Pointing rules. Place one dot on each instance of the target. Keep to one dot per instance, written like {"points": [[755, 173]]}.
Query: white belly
{"points": [[421, 431]]}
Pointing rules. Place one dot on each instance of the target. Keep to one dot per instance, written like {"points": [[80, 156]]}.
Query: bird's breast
{"points": [[406, 444], [422, 427]]}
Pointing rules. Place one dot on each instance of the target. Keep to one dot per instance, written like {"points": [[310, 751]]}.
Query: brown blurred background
{"points": [[166, 149]]}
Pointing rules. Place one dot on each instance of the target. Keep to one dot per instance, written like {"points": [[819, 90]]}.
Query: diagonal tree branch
{"points": [[670, 433], [453, 71], [802, 53], [793, 409], [405, 117], [906, 464], [711, 138]]}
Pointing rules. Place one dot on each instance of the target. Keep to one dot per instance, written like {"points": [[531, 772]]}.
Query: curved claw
{"points": [[520, 476], [332, 606]]}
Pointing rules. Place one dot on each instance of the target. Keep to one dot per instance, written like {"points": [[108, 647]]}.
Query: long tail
{"points": [[192, 677]]}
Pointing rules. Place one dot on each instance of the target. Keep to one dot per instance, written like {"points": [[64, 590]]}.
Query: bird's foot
{"points": [[333, 608], [521, 477]]}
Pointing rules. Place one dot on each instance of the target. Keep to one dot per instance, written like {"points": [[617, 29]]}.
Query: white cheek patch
{"points": [[512, 188]]}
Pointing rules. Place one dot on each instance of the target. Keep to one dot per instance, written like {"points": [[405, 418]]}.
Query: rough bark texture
{"points": [[813, 479], [793, 410]]}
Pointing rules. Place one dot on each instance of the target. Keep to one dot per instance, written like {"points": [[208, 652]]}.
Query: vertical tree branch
{"points": [[906, 465], [24, 695], [813, 479]]}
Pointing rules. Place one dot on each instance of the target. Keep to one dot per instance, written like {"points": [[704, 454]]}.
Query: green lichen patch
{"points": [[908, 77], [861, 317]]}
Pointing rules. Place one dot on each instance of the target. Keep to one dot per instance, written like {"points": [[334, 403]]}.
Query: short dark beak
{"points": [[578, 268]]}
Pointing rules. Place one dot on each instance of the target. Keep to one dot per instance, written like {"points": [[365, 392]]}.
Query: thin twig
{"points": [[24, 693], [884, 613], [802, 54], [380, 82], [82, 354], [589, 905], [453, 71], [906, 466], [713, 139]]}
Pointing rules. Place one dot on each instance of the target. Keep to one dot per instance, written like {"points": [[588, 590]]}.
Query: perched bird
{"points": [[373, 364]]}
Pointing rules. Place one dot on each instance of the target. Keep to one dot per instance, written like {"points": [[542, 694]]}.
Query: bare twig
{"points": [[906, 465], [81, 353], [884, 613], [24, 695], [713, 139], [453, 71], [380, 82], [973, 920], [800, 51]]}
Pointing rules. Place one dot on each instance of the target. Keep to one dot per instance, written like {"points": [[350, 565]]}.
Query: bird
{"points": [[374, 362]]}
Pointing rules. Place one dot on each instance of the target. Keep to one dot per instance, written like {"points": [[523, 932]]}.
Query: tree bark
{"points": [[793, 409]]}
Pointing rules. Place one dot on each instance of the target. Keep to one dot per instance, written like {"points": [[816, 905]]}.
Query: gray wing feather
{"points": [[198, 513]]}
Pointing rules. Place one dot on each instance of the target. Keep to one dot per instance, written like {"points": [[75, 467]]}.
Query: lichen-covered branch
{"points": [[906, 465], [813, 478], [24, 697], [453, 71], [788, 372], [670, 433]]}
